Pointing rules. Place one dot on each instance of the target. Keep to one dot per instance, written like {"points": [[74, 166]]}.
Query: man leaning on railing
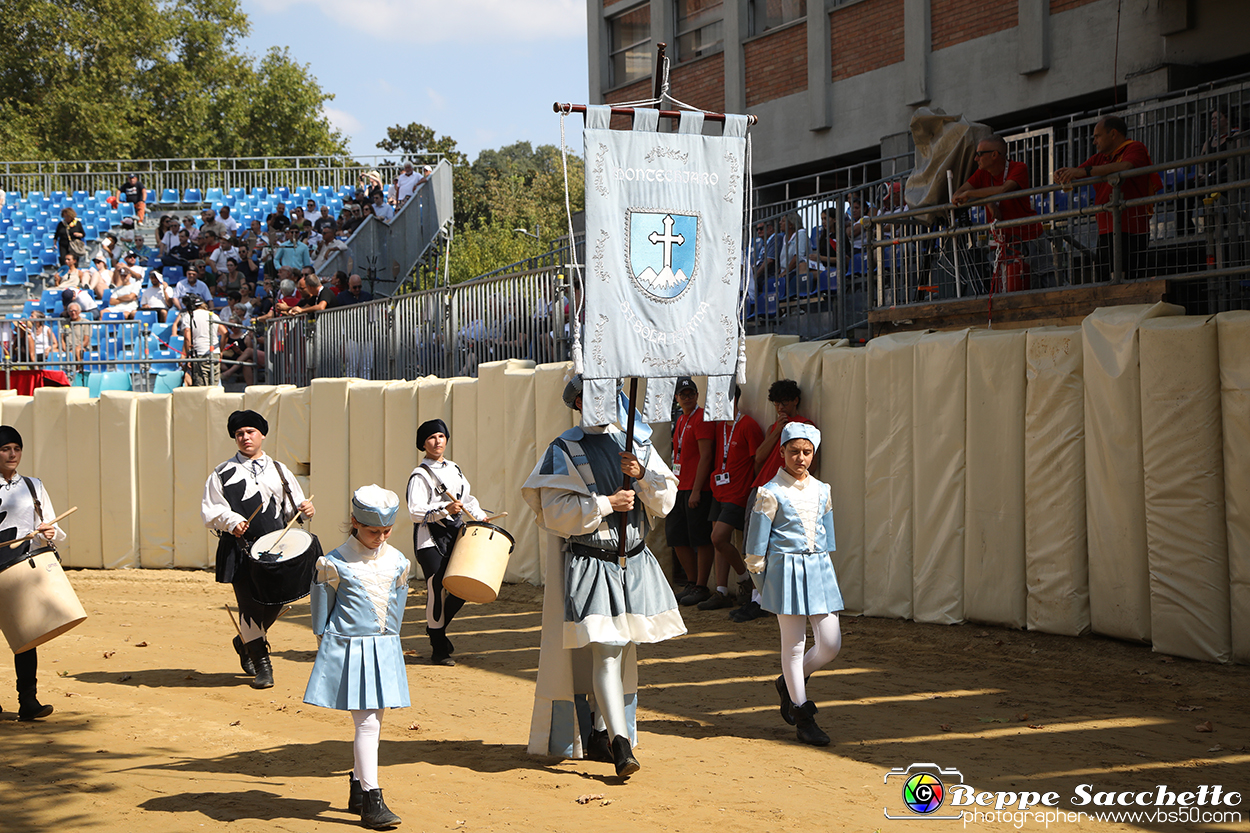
{"points": [[1116, 153]]}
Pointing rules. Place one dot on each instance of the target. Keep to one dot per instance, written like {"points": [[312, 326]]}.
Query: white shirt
{"points": [[426, 504], [215, 509]]}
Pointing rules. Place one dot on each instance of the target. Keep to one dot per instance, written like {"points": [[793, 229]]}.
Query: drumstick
{"points": [[290, 524], [54, 522], [230, 613]]}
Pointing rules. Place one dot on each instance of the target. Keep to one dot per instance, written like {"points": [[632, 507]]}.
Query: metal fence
{"points": [[445, 332], [158, 175]]}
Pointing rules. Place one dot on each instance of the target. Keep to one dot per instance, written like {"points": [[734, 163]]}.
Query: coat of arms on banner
{"points": [[664, 238], [663, 252]]}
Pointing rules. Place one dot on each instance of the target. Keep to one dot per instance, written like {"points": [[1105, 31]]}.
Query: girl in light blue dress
{"points": [[789, 540], [358, 597]]}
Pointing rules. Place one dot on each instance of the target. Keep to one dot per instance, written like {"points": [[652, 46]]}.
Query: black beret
{"points": [[246, 419], [429, 428], [8, 434]]}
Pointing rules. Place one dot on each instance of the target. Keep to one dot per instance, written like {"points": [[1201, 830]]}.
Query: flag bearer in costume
{"points": [[249, 481], [24, 504], [358, 598], [788, 541], [438, 497], [596, 607]]}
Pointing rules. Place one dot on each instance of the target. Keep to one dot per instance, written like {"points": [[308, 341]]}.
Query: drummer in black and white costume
{"points": [[24, 504], [235, 490], [438, 497]]}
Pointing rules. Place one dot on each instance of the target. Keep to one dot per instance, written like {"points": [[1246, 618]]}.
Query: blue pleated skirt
{"points": [[800, 584], [358, 672]]}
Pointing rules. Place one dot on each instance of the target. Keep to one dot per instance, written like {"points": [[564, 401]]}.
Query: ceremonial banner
{"points": [[664, 260]]}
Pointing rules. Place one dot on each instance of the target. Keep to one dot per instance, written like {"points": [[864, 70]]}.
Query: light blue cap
{"points": [[801, 431], [374, 506]]}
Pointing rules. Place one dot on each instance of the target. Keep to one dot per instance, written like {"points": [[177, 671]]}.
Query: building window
{"points": [[700, 28], [769, 14], [630, 37]]}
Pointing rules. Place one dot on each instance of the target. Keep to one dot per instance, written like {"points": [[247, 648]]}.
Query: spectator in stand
{"points": [[292, 252], [70, 235], [156, 295], [278, 220], [192, 285], [355, 293], [1117, 153], [687, 527], [77, 333], [785, 396], [315, 296], [227, 222], [132, 191], [182, 254], [404, 187], [384, 212], [40, 338], [1016, 247]]}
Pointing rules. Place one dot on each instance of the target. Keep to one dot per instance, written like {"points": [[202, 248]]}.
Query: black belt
{"points": [[604, 555]]}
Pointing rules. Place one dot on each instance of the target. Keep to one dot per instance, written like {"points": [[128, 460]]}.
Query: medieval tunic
{"points": [[589, 596], [791, 535], [357, 603]]}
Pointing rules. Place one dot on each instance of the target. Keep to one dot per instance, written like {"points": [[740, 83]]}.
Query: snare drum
{"points": [[478, 562], [37, 602], [282, 571]]}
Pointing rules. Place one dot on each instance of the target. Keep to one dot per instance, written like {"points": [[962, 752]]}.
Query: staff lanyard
{"points": [[725, 442]]}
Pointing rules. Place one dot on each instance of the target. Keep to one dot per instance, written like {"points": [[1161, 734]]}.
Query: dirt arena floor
{"points": [[155, 729]]}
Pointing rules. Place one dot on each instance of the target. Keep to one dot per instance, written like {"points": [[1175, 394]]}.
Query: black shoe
{"points": [[355, 795], [374, 814], [29, 707], [808, 731], [598, 748], [245, 662], [787, 706], [258, 650], [748, 612], [698, 594], [623, 757]]}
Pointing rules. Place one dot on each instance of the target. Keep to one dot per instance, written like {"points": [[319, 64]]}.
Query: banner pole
{"points": [[629, 449]]}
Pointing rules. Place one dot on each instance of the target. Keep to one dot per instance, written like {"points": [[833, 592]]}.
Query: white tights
{"points": [[609, 688], [796, 665], [365, 746]]}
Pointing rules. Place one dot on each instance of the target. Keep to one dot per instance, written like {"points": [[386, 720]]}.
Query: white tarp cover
{"points": [[1055, 558], [841, 417], [1183, 459], [1119, 578], [888, 485], [1234, 335], [52, 452], [156, 479], [664, 256], [994, 584], [119, 482], [939, 406], [83, 489], [329, 481]]}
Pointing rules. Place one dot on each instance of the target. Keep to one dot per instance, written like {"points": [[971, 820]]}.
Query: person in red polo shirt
{"points": [[687, 527], [733, 472], [1116, 153], [996, 174], [785, 396]]}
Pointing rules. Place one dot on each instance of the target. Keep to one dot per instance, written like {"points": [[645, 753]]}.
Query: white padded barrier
{"points": [[1119, 581], [1183, 463], [1056, 561], [994, 585]]}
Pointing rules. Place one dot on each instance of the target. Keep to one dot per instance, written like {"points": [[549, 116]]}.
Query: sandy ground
{"points": [[155, 730]]}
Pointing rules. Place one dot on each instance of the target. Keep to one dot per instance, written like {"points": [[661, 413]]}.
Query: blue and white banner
{"points": [[664, 260]]}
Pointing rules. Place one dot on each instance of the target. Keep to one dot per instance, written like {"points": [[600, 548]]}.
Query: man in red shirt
{"points": [[732, 474], [687, 527], [1116, 153], [785, 396], [996, 174]]}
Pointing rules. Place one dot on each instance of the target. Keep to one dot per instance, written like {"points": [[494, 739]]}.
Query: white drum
{"points": [[37, 602]]}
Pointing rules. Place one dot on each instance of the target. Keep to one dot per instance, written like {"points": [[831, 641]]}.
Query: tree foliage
{"points": [[517, 186], [117, 79]]}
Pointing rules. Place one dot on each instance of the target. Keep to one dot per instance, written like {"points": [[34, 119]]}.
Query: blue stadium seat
{"points": [[169, 197], [192, 195]]}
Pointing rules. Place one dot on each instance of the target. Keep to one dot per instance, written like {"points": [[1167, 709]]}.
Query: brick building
{"points": [[836, 81]]}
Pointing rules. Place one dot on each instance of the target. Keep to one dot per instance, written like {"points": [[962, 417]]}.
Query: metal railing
{"points": [[447, 331], [158, 175], [384, 254]]}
